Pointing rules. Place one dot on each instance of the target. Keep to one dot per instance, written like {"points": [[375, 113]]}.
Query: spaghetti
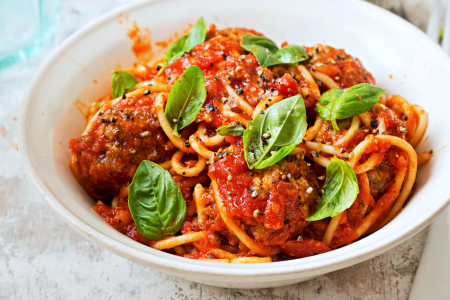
{"points": [[234, 214]]}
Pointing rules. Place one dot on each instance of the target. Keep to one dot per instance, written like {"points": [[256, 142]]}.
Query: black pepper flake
{"points": [[362, 204], [251, 174], [150, 84], [187, 144], [238, 143], [340, 57], [374, 123], [259, 98], [99, 161], [217, 240], [405, 118], [345, 158], [157, 149], [273, 181], [240, 91], [124, 96], [272, 90], [307, 96], [147, 92], [317, 153], [100, 113], [110, 174], [158, 68], [317, 50], [261, 214], [211, 64], [431, 151], [224, 56], [128, 116], [105, 120], [120, 221], [267, 105], [263, 139], [319, 83], [289, 90], [213, 97], [113, 119], [132, 118], [250, 190], [315, 253], [308, 67], [169, 78], [210, 107], [216, 78], [184, 173], [216, 108]]}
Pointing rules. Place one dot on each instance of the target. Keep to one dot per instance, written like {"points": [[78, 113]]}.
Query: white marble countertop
{"points": [[42, 257]]}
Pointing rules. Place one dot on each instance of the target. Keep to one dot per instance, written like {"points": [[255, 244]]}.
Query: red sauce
{"points": [[120, 219], [287, 86], [277, 210]]}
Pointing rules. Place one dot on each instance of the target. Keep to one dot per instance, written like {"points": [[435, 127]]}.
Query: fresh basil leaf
{"points": [[268, 54], [340, 190], [121, 81], [271, 136], [337, 104], [156, 202], [185, 43], [186, 98], [228, 130]]}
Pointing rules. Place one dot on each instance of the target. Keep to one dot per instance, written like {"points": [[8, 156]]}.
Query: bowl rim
{"points": [[330, 261]]}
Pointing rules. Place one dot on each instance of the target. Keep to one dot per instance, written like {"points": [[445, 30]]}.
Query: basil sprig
{"points": [[185, 43], [340, 190], [271, 136], [228, 130], [186, 98], [155, 201], [337, 104], [121, 81], [268, 54]]}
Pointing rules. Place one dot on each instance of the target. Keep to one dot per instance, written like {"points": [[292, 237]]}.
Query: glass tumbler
{"points": [[25, 27]]}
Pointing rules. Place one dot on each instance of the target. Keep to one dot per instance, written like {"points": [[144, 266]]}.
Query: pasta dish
{"points": [[231, 149]]}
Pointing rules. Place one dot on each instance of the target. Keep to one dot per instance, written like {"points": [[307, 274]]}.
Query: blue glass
{"points": [[25, 27]]}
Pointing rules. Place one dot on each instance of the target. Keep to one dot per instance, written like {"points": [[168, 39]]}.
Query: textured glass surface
{"points": [[25, 27]]}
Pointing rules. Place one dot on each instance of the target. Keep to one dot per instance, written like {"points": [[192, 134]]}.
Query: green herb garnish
{"points": [[228, 130], [186, 98], [121, 81], [271, 136], [268, 54], [340, 190], [156, 202], [185, 43], [337, 104]]}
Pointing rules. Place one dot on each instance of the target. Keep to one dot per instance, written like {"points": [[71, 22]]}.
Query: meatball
{"points": [[271, 204], [118, 138]]}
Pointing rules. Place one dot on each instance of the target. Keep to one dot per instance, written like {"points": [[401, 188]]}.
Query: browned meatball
{"points": [[123, 133], [271, 204]]}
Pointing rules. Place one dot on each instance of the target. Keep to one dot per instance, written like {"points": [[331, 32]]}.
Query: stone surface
{"points": [[41, 257]]}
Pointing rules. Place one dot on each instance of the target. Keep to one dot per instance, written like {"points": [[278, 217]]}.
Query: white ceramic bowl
{"points": [[386, 44]]}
